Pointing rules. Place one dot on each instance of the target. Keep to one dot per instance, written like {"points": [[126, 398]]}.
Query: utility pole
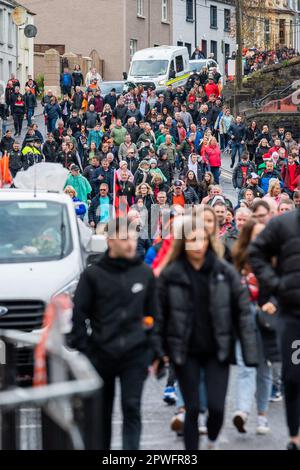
{"points": [[239, 42]]}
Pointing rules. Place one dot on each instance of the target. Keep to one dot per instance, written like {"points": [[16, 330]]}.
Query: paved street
{"points": [[158, 436]]}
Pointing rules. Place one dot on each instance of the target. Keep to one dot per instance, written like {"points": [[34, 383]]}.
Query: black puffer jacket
{"points": [[281, 238], [115, 295], [229, 310]]}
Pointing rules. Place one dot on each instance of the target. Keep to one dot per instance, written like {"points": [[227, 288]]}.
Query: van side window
{"points": [[179, 64], [172, 70]]}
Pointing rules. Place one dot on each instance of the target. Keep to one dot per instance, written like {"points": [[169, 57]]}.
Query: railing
{"points": [[67, 405], [274, 93]]}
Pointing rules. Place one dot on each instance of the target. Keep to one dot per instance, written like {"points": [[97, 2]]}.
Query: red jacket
{"points": [[213, 155], [288, 181], [211, 89]]}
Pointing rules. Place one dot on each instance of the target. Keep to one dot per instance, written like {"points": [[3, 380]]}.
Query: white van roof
{"points": [[160, 52], [29, 195]]}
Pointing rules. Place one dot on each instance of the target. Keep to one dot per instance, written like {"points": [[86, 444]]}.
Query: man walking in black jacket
{"points": [[115, 296], [281, 239]]}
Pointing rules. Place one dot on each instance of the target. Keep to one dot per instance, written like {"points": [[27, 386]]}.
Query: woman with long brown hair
{"points": [[252, 382], [202, 302]]}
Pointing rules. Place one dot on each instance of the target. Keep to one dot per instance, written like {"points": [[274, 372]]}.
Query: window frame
{"points": [[189, 9], [165, 9], [213, 16], [140, 12], [227, 21], [132, 42]]}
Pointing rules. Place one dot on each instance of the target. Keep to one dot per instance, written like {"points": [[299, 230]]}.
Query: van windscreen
{"points": [[33, 231], [149, 68]]}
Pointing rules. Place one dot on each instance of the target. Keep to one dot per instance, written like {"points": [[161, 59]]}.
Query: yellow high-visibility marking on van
{"points": [[178, 79]]}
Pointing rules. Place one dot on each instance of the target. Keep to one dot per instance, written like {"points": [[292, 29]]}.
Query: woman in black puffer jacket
{"points": [[202, 307]]}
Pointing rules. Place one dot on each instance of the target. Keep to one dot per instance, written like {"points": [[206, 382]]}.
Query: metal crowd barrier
{"points": [[67, 405]]}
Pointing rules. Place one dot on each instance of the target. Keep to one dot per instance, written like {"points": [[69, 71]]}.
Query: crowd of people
{"points": [[257, 59], [210, 297]]}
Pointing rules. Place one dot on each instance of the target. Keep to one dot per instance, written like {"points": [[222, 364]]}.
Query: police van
{"points": [[160, 67]]}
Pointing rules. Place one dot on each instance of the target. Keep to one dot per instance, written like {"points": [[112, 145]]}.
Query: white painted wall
{"points": [[8, 49], [25, 54], [16, 51], [184, 31]]}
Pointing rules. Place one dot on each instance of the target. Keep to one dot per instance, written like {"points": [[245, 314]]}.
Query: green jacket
{"points": [[81, 186], [118, 134]]}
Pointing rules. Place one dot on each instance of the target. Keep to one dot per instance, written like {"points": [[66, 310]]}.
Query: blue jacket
{"points": [[94, 214], [198, 139], [108, 178], [80, 207], [66, 80], [266, 177], [53, 111]]}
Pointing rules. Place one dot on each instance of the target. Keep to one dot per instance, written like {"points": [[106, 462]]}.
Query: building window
{"points": [[227, 18], [189, 10], [140, 7], [214, 49], [282, 31], [1, 67], [10, 29], [179, 43], [189, 48], [204, 47], [10, 71], [133, 47], [267, 32], [213, 17], [165, 10], [227, 50], [2, 26]]}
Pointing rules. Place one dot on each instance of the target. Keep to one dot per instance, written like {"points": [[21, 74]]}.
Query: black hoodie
{"points": [[114, 295]]}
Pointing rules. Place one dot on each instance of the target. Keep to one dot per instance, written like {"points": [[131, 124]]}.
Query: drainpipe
{"points": [[196, 39], [149, 23]]}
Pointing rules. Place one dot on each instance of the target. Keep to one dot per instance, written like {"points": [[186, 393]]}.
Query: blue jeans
{"points": [[4, 126], [237, 148], [51, 123], [30, 114], [216, 173], [250, 380], [202, 394]]}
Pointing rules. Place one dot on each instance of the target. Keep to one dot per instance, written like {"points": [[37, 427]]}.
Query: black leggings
{"points": [[216, 381], [290, 334], [18, 122]]}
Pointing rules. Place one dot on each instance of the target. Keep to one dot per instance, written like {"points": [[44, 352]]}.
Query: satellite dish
{"points": [[19, 16], [30, 31]]}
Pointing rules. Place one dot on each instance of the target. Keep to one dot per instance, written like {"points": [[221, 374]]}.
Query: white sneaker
{"points": [[262, 425], [202, 428], [239, 420]]}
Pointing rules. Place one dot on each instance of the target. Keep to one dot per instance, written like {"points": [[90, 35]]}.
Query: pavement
{"points": [[157, 435]]}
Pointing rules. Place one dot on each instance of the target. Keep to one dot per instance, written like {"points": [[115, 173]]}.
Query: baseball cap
{"points": [[74, 167], [178, 184], [254, 176]]}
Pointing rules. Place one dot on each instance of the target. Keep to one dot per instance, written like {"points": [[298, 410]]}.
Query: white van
{"points": [[41, 255], [160, 66]]}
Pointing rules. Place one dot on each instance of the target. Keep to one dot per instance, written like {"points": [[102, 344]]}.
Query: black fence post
{"points": [[8, 376]]}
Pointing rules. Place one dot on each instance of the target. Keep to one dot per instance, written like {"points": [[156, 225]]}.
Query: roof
{"points": [[162, 52], [15, 4]]}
